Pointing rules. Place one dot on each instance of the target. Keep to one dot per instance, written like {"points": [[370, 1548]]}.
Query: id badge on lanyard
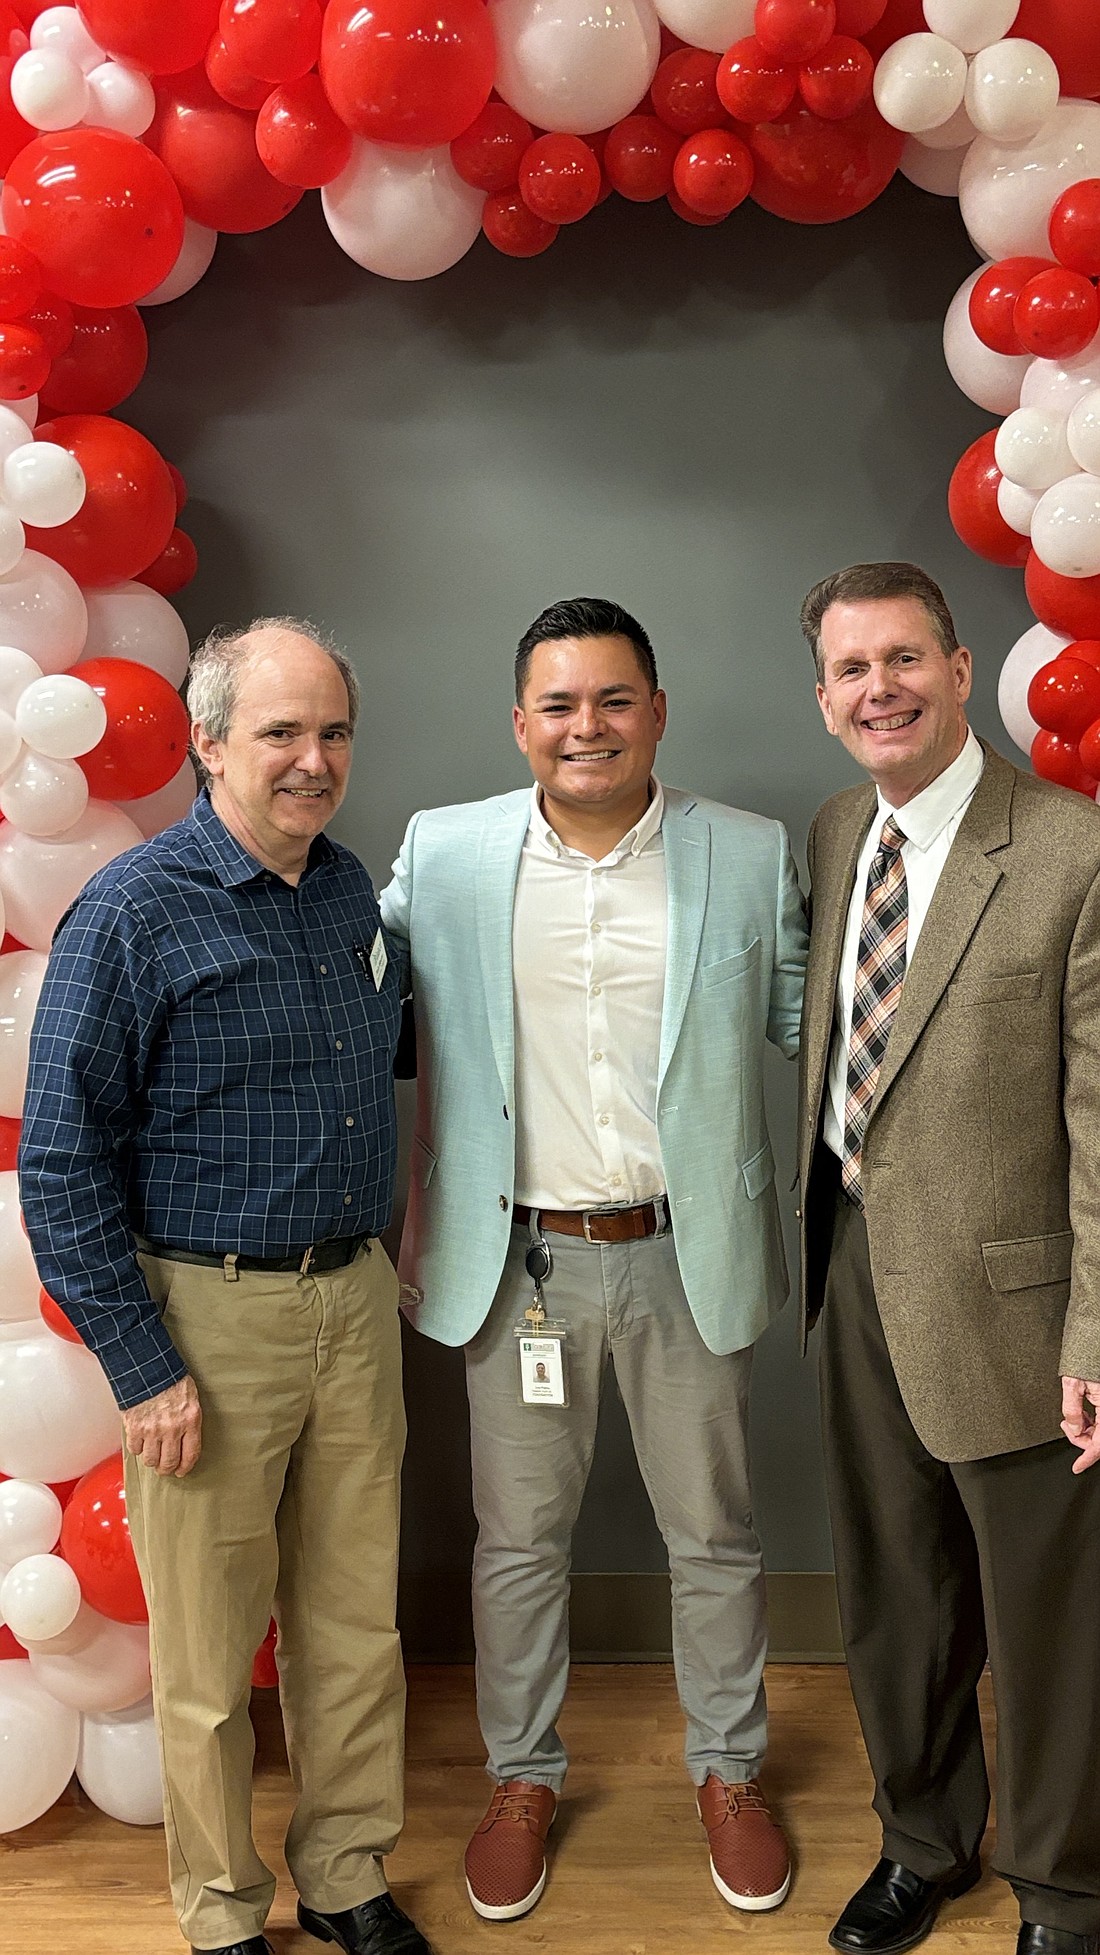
{"points": [[543, 1372]]}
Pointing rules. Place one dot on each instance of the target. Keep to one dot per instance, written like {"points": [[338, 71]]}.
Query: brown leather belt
{"points": [[601, 1224]]}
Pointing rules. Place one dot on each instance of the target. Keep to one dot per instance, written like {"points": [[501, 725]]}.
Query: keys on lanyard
{"points": [[538, 1263]]}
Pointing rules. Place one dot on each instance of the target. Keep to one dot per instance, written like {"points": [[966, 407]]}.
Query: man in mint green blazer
{"points": [[596, 965]]}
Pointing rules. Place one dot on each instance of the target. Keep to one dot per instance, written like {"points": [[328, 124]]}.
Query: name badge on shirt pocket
{"points": [[376, 962]]}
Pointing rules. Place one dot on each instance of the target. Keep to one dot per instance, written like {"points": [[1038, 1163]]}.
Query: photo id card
{"points": [[378, 960], [542, 1379]]}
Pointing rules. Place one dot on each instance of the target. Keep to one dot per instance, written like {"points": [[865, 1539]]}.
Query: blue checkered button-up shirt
{"points": [[211, 1068]]}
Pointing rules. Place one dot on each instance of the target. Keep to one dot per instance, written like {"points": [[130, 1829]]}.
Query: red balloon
{"points": [[178, 484], [1074, 228], [1056, 314], [684, 91], [161, 36], [837, 81], [175, 566], [147, 730], [300, 138], [638, 158], [24, 361], [265, 1670], [1060, 760], [1064, 696], [1089, 749], [689, 216], [104, 361], [972, 506], [487, 154], [898, 17], [1071, 34], [414, 72], [794, 30], [993, 297], [128, 511], [858, 17], [9, 1648], [1069, 604], [513, 228], [814, 172], [230, 81], [1084, 648], [20, 279], [9, 1129], [276, 40], [713, 172], [95, 1541], [752, 85], [559, 178], [100, 212], [55, 1318], [210, 149], [52, 319]]}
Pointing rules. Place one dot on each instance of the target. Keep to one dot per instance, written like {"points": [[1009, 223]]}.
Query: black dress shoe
{"points": [[375, 1927], [894, 1909], [1035, 1940], [255, 1945]]}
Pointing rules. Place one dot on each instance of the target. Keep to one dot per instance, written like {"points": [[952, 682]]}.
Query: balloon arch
{"points": [[132, 132]]}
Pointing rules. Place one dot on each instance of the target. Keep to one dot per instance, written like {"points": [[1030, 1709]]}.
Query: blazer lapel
{"points": [[835, 856], [965, 886], [687, 874], [498, 867]]}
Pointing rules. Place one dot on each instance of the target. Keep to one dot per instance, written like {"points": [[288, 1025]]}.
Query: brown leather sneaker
{"points": [[505, 1862], [748, 1853]]}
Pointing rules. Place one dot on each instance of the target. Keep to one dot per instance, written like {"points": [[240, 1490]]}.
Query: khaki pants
{"points": [[292, 1510]]}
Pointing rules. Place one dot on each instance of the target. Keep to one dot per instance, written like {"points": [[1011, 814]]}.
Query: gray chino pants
{"points": [[688, 1412]]}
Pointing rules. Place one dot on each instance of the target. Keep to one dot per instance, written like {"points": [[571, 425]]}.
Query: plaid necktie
{"points": [[880, 974]]}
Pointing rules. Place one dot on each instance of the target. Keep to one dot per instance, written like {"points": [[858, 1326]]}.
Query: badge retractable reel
{"points": [[543, 1378]]}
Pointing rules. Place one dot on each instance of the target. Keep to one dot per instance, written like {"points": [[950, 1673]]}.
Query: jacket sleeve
{"points": [[396, 899], [789, 968], [1081, 1105]]}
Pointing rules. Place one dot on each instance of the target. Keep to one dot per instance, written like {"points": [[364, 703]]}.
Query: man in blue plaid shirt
{"points": [[207, 1160]]}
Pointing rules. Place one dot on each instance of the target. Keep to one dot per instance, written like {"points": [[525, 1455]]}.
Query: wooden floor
{"points": [[628, 1870]]}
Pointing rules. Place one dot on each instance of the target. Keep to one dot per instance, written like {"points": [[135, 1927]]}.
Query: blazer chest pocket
{"points": [[731, 967], [759, 1173], [1030, 1262], [1013, 989]]}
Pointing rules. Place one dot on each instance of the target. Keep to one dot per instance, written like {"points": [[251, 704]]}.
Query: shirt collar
{"points": [[231, 862], [633, 842], [924, 818]]}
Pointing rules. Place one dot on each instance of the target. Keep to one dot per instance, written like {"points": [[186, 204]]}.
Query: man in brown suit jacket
{"points": [[950, 1167]]}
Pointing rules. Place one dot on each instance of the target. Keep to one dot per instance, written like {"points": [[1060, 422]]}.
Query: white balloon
{"points": [[58, 1418], [1029, 654], [40, 1596], [27, 410], [1060, 384], [956, 133], [62, 28], [713, 24], [120, 98], [1065, 528], [30, 1520], [109, 1673], [1083, 431], [1007, 189], [1030, 448], [991, 380], [571, 66], [21, 975], [11, 746], [402, 213], [19, 1284], [42, 611], [937, 170], [1016, 505], [39, 877], [17, 671], [76, 1637], [919, 82], [44, 484], [14, 432], [13, 543], [39, 1741], [195, 254], [1011, 90], [61, 716], [170, 803], [971, 24], [119, 1765], [48, 89], [43, 796], [131, 621]]}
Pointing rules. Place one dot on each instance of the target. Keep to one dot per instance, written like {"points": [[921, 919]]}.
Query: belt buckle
{"points": [[306, 1263], [586, 1217]]}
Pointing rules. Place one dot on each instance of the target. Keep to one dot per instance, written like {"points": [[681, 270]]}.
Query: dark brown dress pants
{"points": [[937, 1566]]}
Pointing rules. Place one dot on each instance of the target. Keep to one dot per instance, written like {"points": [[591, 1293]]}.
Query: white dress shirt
{"points": [[930, 823], [588, 959]]}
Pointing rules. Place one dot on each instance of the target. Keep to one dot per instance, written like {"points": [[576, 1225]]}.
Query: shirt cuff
{"points": [[142, 1364]]}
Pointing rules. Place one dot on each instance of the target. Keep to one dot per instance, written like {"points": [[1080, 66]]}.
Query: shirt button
{"points": [[504, 1203], [596, 990], [347, 1201], [597, 1055], [616, 1181], [339, 1045], [323, 968], [595, 929], [605, 1120], [350, 1120]]}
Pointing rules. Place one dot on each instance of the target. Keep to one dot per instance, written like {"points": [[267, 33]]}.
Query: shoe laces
{"points": [[515, 1803], [744, 1798]]}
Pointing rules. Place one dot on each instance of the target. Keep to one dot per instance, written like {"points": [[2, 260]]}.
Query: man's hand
{"points": [[1080, 1402], [165, 1432]]}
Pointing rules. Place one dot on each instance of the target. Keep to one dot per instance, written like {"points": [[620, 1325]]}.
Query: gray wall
{"points": [[696, 422]]}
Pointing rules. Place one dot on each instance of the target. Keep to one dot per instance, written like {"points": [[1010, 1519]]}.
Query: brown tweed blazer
{"points": [[981, 1167]]}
